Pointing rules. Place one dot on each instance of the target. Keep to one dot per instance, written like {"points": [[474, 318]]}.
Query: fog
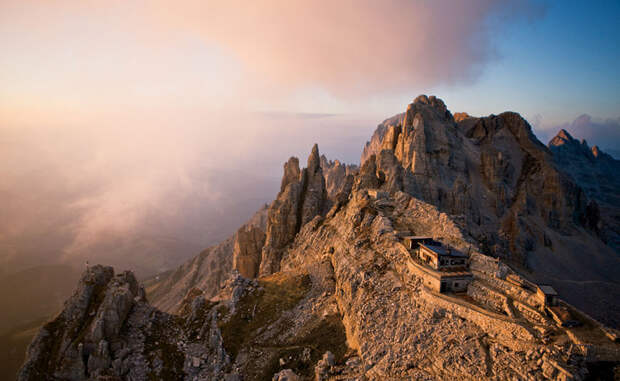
{"points": [[146, 196], [136, 134]]}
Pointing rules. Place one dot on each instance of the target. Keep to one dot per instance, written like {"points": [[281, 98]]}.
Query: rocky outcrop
{"points": [[338, 177], [374, 145], [314, 194], [108, 331], [82, 341], [461, 116], [299, 201], [249, 242], [367, 178]]}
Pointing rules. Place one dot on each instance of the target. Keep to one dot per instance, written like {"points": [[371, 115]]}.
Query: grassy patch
{"points": [[327, 334], [157, 345], [280, 292]]}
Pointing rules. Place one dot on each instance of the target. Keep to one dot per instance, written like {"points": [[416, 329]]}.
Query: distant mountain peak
{"points": [[562, 137]]}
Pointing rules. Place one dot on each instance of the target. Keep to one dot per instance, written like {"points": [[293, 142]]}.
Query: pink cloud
{"points": [[350, 47]]}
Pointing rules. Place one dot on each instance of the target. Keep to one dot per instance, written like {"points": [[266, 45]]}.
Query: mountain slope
{"points": [[512, 196], [337, 295], [595, 172]]}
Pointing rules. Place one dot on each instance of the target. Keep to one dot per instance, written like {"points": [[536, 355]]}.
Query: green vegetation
{"points": [[157, 345], [325, 335], [263, 310], [279, 293]]}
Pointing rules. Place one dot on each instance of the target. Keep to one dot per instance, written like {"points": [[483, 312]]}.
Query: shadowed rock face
{"points": [[95, 314], [247, 251], [597, 174]]}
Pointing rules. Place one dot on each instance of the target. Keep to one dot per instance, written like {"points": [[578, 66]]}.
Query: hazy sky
{"points": [[149, 129]]}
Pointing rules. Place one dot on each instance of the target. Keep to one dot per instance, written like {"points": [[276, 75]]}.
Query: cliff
{"points": [[596, 173]]}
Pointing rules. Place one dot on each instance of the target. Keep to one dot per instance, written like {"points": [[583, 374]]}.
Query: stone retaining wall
{"points": [[488, 297], [513, 334]]}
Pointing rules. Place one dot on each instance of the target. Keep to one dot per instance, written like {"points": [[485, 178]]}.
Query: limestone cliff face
{"points": [[247, 249], [373, 146], [492, 170], [314, 192], [338, 177]]}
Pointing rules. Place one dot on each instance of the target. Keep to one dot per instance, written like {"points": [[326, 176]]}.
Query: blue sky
{"points": [[553, 68], [115, 114]]}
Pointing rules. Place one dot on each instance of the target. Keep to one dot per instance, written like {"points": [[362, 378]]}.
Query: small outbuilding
{"points": [[547, 296], [455, 281]]}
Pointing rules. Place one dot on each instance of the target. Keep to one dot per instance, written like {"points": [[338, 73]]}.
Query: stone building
{"points": [[453, 281], [444, 269], [442, 258]]}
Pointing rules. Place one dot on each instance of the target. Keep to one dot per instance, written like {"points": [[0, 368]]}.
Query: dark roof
{"points": [[547, 290], [443, 250]]}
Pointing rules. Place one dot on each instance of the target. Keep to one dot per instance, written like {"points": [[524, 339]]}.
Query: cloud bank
{"points": [[353, 47], [128, 129], [144, 196]]}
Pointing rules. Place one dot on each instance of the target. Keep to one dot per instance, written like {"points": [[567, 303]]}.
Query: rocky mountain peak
{"points": [[424, 106], [562, 137], [301, 199], [95, 315], [314, 160], [461, 116], [291, 173]]}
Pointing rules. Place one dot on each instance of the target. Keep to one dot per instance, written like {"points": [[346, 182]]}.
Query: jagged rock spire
{"points": [[291, 173], [314, 160], [302, 197]]}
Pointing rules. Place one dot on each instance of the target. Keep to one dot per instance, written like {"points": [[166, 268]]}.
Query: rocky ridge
{"points": [[514, 199], [336, 297]]}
